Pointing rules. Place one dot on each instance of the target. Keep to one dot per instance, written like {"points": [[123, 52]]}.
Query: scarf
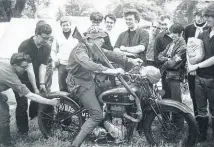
{"points": [[199, 28]]}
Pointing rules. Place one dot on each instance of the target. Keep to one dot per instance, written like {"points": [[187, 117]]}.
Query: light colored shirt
{"points": [[63, 47]]}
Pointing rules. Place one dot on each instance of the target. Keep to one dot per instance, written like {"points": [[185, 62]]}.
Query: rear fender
{"points": [[65, 95]]}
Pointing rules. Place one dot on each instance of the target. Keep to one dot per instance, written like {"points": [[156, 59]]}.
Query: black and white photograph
{"points": [[106, 73]]}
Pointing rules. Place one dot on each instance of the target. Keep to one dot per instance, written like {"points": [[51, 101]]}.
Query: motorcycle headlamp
{"points": [[151, 73]]}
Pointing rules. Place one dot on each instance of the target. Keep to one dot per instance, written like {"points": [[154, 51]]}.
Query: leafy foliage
{"points": [[149, 10], [184, 12]]}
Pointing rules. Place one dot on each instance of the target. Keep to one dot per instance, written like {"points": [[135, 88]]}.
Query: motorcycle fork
{"points": [[164, 115]]}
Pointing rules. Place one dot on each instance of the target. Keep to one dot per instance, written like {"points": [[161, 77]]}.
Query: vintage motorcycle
{"points": [[121, 115]]}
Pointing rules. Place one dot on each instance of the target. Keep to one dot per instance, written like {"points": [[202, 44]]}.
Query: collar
{"points": [[135, 28], [200, 27], [33, 42], [14, 70]]}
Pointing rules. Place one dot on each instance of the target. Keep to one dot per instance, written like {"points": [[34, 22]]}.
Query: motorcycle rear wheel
{"points": [[163, 131], [60, 122]]}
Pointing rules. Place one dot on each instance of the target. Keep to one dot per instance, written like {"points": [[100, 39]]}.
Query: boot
{"points": [[203, 126], [213, 126], [5, 138], [79, 138]]}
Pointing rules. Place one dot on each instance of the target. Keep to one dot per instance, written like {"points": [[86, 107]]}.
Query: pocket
{"points": [[173, 75], [210, 84], [72, 87]]}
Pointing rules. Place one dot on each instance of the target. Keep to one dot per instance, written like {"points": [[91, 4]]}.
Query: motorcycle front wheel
{"points": [[170, 126], [62, 122]]}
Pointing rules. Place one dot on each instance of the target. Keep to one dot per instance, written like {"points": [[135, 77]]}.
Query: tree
{"points": [[184, 12], [149, 10]]}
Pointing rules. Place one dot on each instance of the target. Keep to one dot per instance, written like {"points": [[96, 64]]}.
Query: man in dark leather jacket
{"points": [[173, 59]]}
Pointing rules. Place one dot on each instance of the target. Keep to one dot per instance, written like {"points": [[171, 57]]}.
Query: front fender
{"points": [[183, 107], [64, 95]]}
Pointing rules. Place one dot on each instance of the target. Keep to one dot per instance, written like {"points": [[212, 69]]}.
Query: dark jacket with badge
{"points": [[169, 57]]}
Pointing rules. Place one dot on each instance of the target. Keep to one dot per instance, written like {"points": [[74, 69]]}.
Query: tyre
{"points": [[171, 126], [62, 122]]}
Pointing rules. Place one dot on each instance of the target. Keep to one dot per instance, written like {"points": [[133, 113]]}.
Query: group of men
{"points": [[163, 46]]}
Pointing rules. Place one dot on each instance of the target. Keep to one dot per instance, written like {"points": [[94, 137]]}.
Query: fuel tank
{"points": [[118, 95]]}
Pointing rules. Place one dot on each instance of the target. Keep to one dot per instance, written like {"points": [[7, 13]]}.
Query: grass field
{"points": [[35, 138]]}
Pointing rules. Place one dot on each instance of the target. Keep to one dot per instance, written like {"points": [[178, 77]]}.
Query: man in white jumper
{"points": [[62, 46]]}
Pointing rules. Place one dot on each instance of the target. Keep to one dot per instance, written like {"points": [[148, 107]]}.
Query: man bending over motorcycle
{"points": [[82, 64]]}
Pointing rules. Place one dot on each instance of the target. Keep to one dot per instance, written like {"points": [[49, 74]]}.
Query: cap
{"points": [[95, 32]]}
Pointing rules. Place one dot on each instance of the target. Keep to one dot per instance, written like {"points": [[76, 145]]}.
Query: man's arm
{"points": [[134, 49], [42, 73], [162, 56], [40, 99], [178, 59], [31, 77], [206, 63], [13, 82], [81, 56]]}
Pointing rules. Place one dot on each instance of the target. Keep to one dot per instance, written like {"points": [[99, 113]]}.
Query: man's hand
{"points": [[36, 91], [43, 89], [192, 67], [136, 61], [117, 71], [117, 50], [177, 58], [123, 48], [55, 102]]}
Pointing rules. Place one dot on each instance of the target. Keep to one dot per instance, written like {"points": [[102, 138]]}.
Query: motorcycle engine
{"points": [[117, 110]]}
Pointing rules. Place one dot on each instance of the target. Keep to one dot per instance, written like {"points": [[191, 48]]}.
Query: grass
{"points": [[36, 139]]}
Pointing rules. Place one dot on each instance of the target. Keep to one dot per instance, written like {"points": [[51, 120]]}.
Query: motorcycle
{"points": [[159, 118]]}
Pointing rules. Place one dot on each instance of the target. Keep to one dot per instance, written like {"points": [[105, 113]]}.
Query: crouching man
{"points": [[82, 65], [9, 78]]}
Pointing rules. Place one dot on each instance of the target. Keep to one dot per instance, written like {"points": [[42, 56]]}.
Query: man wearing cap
{"points": [[34, 77], [9, 78], [62, 45], [134, 41], [81, 67]]}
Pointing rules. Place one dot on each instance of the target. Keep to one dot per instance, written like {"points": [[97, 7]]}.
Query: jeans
{"points": [[165, 86], [89, 100], [85, 92], [4, 110], [204, 90], [21, 111], [174, 89], [62, 75], [191, 83]]}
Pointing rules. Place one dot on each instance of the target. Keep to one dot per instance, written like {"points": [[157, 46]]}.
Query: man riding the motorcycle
{"points": [[82, 64]]}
